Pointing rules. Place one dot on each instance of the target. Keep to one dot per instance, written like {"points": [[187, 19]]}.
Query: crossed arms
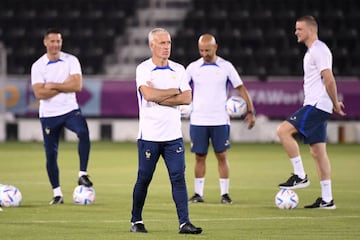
{"points": [[47, 90], [165, 97]]}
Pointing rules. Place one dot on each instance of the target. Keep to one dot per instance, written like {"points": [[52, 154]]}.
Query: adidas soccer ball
{"points": [[83, 195], [10, 196], [236, 106], [286, 199]]}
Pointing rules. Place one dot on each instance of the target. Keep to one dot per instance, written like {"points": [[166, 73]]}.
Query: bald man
{"points": [[210, 76], [311, 120]]}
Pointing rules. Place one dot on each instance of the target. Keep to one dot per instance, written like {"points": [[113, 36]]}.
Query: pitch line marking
{"points": [[198, 220]]}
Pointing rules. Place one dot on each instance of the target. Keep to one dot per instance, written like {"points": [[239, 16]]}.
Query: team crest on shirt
{"points": [[47, 130]]}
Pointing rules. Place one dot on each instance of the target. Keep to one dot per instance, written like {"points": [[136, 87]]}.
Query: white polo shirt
{"points": [[210, 91], [43, 71], [317, 58], [156, 122]]}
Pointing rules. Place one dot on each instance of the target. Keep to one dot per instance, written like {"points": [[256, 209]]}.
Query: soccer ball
{"points": [[10, 196], [83, 195], [236, 106], [185, 110], [286, 199]]}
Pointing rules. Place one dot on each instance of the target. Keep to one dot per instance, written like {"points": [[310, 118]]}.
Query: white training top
{"points": [[210, 91], [159, 123], [43, 71], [317, 58]]}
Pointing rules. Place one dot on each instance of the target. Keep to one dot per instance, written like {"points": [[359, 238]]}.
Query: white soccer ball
{"points": [[10, 196], [83, 195], [185, 110], [236, 106], [286, 199]]}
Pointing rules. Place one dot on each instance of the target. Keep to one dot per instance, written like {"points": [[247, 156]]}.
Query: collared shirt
{"points": [[156, 122], [210, 90], [43, 71]]}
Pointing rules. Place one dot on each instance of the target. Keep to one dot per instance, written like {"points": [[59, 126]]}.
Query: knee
{"points": [[177, 177], [280, 131], [83, 134], [51, 155], [221, 156], [314, 153], [51, 162], [284, 130], [200, 158], [144, 178]]}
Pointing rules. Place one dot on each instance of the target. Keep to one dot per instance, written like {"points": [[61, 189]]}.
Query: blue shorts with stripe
{"points": [[311, 123], [201, 136]]}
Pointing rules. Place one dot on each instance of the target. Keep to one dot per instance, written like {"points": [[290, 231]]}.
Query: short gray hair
{"points": [[155, 31]]}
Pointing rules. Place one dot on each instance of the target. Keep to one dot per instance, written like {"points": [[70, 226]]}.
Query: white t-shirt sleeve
{"points": [[75, 66], [322, 57], [234, 76], [142, 75], [36, 75], [188, 73], [185, 78]]}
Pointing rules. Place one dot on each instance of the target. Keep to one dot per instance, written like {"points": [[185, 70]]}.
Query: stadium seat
{"points": [[81, 22], [240, 26], [245, 27]]}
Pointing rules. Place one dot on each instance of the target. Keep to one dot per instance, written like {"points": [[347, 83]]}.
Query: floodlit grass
{"points": [[256, 169]]}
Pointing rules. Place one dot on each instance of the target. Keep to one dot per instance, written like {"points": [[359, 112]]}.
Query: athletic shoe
{"points": [[57, 200], [138, 228], [321, 204], [196, 198], [294, 182], [85, 181], [226, 199], [188, 228]]}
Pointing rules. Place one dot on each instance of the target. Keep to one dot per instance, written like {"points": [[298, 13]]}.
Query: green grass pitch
{"points": [[256, 169]]}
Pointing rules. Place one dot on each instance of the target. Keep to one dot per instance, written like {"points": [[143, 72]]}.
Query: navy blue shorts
{"points": [[200, 136], [311, 123]]}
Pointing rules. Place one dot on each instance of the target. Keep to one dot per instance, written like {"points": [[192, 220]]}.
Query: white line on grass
{"points": [[197, 220]]}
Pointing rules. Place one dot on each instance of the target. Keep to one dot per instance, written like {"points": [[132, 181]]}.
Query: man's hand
{"points": [[338, 108], [250, 118]]}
